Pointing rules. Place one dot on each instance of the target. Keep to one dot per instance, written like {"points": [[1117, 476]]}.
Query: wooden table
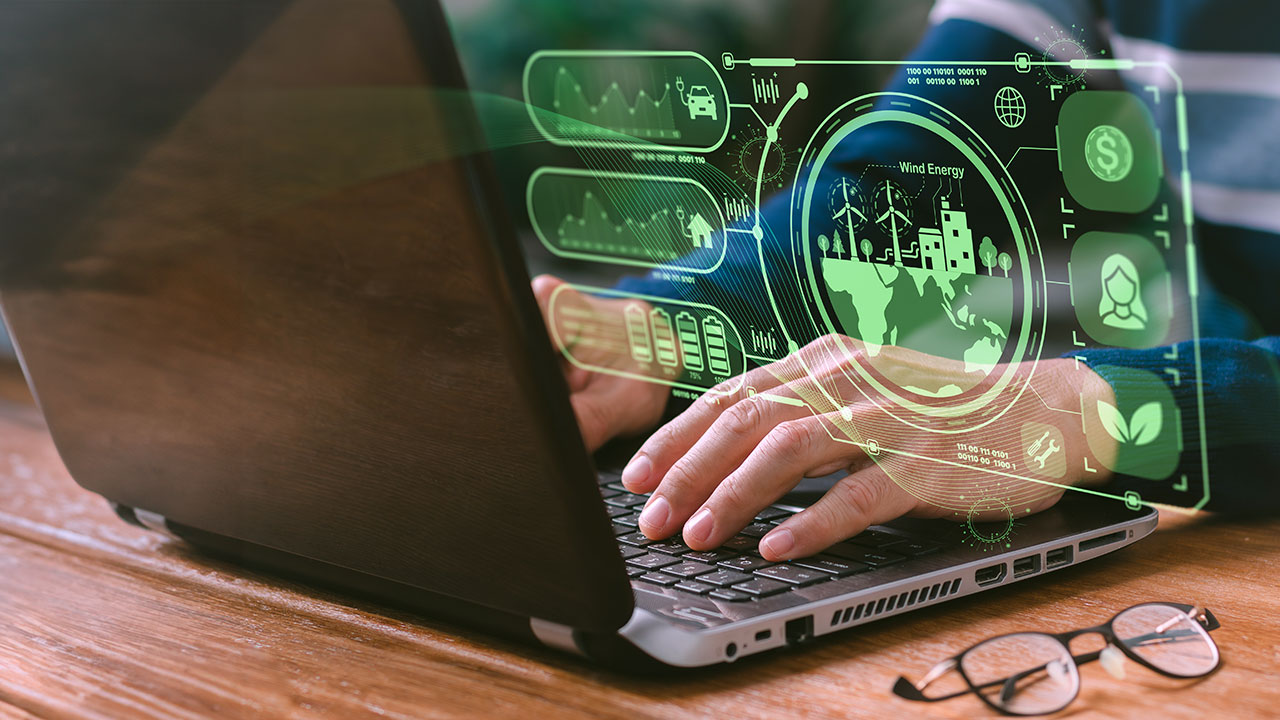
{"points": [[100, 619]]}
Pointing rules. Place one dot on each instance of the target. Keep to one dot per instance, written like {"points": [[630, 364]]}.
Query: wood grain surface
{"points": [[100, 619]]}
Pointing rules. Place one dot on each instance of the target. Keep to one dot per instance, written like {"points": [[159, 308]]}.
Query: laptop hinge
{"points": [[555, 635]]}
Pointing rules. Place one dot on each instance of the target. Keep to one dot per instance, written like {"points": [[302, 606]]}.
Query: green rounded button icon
{"points": [[1108, 153]]}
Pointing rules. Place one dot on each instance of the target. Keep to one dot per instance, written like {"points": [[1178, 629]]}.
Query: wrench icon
{"points": [[1053, 448]]}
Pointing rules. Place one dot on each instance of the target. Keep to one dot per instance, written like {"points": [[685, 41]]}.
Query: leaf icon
{"points": [[1113, 422], [1145, 423]]}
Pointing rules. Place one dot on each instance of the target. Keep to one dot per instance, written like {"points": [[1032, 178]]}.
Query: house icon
{"points": [[699, 231]]}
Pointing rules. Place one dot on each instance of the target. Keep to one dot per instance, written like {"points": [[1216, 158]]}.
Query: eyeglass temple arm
{"points": [[904, 688]]}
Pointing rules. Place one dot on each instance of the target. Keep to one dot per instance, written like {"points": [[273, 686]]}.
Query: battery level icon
{"points": [[638, 334], [690, 343], [717, 348], [664, 339]]}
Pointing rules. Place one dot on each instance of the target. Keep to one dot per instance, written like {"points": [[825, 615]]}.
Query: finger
{"points": [[786, 454], [866, 498], [673, 440], [544, 287], [609, 408], [733, 435]]}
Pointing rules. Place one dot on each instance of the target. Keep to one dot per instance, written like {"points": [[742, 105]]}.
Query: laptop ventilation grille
{"points": [[872, 608]]}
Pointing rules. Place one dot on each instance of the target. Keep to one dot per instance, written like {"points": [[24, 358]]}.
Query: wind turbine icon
{"points": [[892, 213], [847, 210]]}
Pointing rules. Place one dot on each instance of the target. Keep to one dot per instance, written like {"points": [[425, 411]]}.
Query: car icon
{"points": [[701, 102]]}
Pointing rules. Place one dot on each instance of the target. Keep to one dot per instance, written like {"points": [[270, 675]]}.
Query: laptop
{"points": [[257, 326]]}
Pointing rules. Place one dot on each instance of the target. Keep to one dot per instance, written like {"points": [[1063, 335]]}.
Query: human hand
{"points": [[731, 454], [606, 405]]}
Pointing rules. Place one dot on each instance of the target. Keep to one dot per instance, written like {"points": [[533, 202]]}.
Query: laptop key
{"points": [[688, 569], [617, 486], [626, 500], [695, 587], [914, 548], [742, 543], [745, 562], [730, 595], [724, 578], [635, 572], [632, 520], [607, 493], [710, 557], [622, 529], [630, 551], [653, 561], [772, 513], [658, 578], [614, 512], [875, 538], [832, 565], [793, 575], [670, 547], [858, 553], [757, 530], [761, 587], [634, 538]]}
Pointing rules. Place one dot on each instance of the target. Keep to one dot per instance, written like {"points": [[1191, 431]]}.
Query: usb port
{"points": [[1026, 566], [1059, 557], [990, 575]]}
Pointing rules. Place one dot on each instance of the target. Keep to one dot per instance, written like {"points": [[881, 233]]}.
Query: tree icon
{"points": [[824, 244], [987, 253], [1006, 262], [839, 243], [866, 248]]}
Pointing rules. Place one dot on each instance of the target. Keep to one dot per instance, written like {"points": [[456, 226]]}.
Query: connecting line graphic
{"points": [[1015, 153], [1047, 406]]}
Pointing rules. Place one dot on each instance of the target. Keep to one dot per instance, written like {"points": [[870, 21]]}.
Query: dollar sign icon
{"points": [[1108, 153]]}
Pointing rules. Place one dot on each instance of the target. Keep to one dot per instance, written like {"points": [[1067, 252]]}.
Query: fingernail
{"points": [[699, 526], [779, 542], [656, 514], [636, 471]]}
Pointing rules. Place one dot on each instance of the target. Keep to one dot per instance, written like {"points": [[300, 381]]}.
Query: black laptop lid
{"points": [[255, 291]]}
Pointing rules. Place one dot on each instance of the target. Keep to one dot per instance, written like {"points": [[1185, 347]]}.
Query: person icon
{"points": [[1121, 305]]}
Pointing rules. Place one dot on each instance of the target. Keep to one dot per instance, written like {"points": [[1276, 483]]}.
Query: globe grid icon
{"points": [[1010, 106]]}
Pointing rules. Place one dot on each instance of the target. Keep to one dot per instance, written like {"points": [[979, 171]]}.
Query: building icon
{"points": [[699, 231], [932, 254], [950, 248], [958, 239]]}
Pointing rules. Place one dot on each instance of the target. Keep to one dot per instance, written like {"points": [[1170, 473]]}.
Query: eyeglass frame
{"points": [[1199, 614]]}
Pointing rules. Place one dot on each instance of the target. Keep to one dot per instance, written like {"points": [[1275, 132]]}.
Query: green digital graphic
{"points": [[626, 218], [687, 345], [1121, 289], [1011, 107], [1108, 151], [1044, 450], [1140, 431], [908, 276], [901, 266], [620, 99]]}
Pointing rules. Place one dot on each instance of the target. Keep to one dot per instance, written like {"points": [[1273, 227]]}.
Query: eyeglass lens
{"points": [[1024, 673], [1167, 638]]}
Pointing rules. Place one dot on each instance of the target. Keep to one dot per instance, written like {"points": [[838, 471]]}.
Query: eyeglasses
{"points": [[1032, 673]]}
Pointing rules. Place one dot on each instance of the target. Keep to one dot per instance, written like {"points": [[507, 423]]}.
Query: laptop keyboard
{"points": [[735, 571]]}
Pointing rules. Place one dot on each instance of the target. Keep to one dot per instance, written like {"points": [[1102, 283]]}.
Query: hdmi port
{"points": [[990, 575]]}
